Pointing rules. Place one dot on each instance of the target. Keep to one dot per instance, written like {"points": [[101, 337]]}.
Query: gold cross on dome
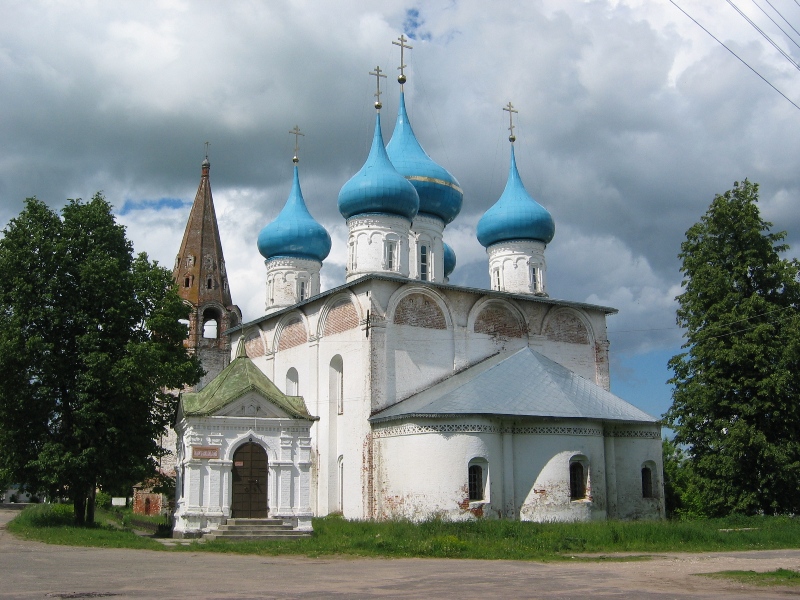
{"points": [[511, 110], [378, 74], [296, 133], [401, 41]]}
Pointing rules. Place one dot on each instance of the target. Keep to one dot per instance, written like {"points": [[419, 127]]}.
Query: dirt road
{"points": [[33, 570]]}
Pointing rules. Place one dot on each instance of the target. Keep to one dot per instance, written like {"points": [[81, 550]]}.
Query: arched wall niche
{"points": [[497, 318], [339, 314], [291, 332], [567, 325], [254, 343], [420, 307], [250, 436]]}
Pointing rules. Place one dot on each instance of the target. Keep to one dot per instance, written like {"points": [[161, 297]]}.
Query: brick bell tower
{"points": [[203, 283]]}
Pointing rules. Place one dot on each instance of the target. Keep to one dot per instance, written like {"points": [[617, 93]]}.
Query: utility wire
{"points": [[789, 37], [734, 53], [781, 16], [763, 34]]}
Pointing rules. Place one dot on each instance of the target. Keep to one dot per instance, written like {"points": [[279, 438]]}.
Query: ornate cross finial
{"points": [[511, 110], [401, 41], [207, 145], [378, 74], [296, 133]]}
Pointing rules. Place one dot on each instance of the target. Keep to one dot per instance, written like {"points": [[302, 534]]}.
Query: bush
{"points": [[47, 515], [102, 500]]}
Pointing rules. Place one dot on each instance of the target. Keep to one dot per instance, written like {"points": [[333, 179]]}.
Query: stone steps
{"points": [[255, 530]]}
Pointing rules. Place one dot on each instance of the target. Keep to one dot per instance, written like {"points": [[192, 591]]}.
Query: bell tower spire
{"points": [[202, 282]]}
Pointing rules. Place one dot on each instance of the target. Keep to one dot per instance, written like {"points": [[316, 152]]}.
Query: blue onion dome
{"points": [[516, 215], [449, 260], [378, 188], [440, 194], [294, 232]]}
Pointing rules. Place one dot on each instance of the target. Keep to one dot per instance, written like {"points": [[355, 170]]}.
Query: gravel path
{"points": [[35, 570]]}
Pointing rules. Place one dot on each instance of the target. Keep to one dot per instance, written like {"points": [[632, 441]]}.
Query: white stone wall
{"points": [[518, 267], [426, 231], [528, 470], [204, 486], [418, 335], [284, 279], [366, 245]]}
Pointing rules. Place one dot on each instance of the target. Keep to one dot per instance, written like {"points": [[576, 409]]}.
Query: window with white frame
{"points": [[477, 476], [302, 289], [536, 279], [424, 264], [390, 255], [496, 279]]}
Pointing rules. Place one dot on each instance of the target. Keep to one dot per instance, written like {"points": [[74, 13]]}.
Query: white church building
{"points": [[398, 395]]}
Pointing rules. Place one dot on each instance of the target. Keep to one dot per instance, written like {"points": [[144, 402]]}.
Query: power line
{"points": [[790, 38], [763, 34], [734, 53]]}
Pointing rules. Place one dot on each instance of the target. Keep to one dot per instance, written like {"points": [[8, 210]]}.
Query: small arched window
{"points": [[475, 482], [211, 318], [210, 329], [424, 265], [292, 383], [577, 479], [647, 481]]}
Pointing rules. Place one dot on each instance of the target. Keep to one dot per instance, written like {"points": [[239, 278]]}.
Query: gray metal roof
{"points": [[519, 384]]}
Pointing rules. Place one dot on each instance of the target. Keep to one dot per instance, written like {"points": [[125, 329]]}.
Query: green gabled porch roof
{"points": [[240, 377]]}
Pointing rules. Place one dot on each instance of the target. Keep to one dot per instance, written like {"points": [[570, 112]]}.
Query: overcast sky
{"points": [[630, 119]]}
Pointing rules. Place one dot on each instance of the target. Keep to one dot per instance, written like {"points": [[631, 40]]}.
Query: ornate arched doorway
{"points": [[249, 482]]}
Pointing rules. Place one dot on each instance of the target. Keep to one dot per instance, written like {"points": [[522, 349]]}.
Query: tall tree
{"points": [[90, 339], [736, 402]]}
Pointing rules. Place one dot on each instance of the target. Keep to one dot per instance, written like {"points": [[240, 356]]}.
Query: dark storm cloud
{"points": [[630, 121]]}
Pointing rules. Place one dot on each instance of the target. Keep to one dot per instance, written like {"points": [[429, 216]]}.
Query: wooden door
{"points": [[249, 482]]}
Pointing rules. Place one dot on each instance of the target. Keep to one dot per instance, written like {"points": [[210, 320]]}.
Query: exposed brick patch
{"points": [[254, 345], [418, 310], [498, 320], [564, 326], [340, 318], [293, 335], [146, 502]]}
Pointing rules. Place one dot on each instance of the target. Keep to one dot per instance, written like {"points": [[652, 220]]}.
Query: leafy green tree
{"points": [[736, 402], [90, 340]]}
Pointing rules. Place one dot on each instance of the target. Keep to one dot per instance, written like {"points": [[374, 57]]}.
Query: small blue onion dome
{"points": [[449, 260], [516, 215], [294, 232], [440, 194], [378, 188]]}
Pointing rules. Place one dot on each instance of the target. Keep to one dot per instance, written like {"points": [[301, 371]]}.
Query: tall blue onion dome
{"points": [[439, 192], [516, 215], [449, 260], [378, 188], [294, 232]]}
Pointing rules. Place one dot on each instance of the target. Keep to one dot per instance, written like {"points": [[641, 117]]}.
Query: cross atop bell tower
{"points": [[202, 282]]}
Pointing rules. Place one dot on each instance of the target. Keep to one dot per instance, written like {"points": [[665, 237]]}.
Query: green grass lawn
{"points": [[785, 577], [484, 539], [53, 524]]}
